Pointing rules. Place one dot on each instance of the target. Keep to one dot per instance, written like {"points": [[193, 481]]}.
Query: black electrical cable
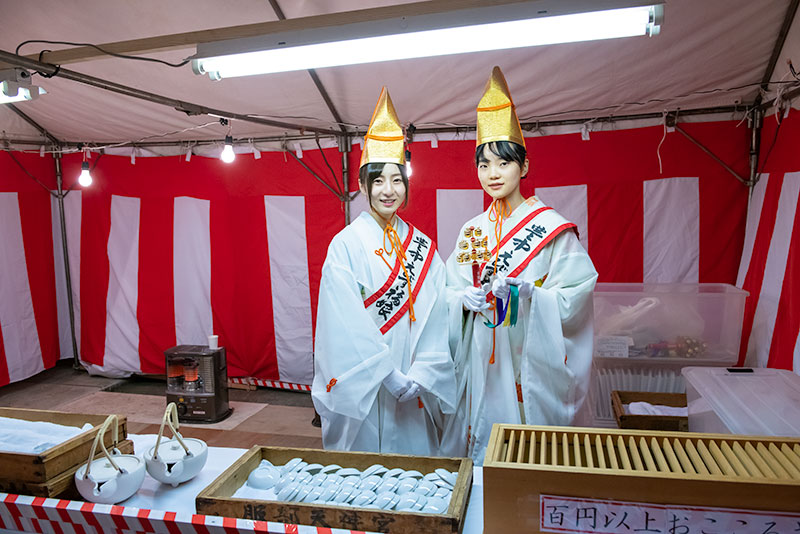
{"points": [[123, 56]]}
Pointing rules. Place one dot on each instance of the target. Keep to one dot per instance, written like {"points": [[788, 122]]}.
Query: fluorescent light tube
{"points": [[11, 92], [608, 24]]}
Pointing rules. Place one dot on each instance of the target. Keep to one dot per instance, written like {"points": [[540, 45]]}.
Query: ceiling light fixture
{"points": [[228, 155], [15, 86], [437, 32], [85, 178]]}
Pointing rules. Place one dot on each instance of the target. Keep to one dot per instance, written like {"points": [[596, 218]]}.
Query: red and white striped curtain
{"points": [[165, 252], [770, 267]]}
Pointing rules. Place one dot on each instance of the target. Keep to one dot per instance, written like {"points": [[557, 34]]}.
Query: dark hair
{"points": [[504, 150], [370, 171]]}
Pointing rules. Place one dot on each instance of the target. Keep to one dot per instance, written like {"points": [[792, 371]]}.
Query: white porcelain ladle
{"points": [[178, 459], [113, 478]]}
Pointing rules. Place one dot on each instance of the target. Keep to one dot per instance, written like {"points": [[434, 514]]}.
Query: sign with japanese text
{"points": [[594, 516]]}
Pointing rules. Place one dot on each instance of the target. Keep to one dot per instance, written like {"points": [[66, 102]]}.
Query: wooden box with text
{"points": [[671, 468], [216, 498]]}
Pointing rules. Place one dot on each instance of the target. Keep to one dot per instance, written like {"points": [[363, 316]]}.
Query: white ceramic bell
{"points": [[110, 479], [178, 459]]}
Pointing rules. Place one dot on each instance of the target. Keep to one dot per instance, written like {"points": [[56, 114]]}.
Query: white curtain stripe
{"points": [[122, 325], [72, 218], [671, 230], [754, 205], [17, 320], [453, 208], [291, 294], [191, 254], [774, 271], [571, 202]]}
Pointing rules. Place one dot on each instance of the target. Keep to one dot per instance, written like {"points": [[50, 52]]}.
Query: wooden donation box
{"points": [[50, 473], [535, 475], [216, 498]]}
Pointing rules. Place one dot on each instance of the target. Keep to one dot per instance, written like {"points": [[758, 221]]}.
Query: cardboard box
{"points": [[678, 468], [649, 422], [216, 498]]}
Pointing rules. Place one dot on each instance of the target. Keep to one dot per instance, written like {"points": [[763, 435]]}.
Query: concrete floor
{"points": [[261, 417]]}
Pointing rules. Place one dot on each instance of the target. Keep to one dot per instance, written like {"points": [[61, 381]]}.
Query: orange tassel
{"points": [[330, 385]]}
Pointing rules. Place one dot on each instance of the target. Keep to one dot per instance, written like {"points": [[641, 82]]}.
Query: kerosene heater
{"points": [[197, 382]]}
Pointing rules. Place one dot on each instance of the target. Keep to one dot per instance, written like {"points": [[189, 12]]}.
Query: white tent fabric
{"points": [[704, 48]]}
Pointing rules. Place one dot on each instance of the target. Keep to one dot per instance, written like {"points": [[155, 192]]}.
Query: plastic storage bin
{"points": [[752, 402], [646, 333], [686, 321]]}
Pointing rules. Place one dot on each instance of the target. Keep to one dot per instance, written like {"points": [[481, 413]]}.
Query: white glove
{"points": [[398, 383], [411, 393], [525, 287], [474, 298], [500, 287]]}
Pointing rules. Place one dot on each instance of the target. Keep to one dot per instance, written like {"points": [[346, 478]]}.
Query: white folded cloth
{"points": [[33, 437], [645, 408]]}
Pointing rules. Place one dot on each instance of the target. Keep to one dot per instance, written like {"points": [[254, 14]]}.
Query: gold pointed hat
{"points": [[383, 142], [497, 117]]}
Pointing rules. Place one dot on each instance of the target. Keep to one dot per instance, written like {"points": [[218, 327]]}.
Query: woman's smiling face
{"points": [[499, 177], [388, 191]]}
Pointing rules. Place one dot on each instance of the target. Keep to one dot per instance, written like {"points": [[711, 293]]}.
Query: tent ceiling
{"points": [[703, 46]]}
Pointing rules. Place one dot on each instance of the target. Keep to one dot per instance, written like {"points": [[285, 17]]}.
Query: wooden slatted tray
{"points": [[681, 468], [42, 467], [216, 498]]}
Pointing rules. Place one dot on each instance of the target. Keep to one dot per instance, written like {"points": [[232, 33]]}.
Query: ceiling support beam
{"points": [[526, 126], [791, 11], [185, 107], [35, 124]]}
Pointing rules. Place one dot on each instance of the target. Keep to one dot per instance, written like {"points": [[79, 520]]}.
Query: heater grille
{"points": [[696, 455]]}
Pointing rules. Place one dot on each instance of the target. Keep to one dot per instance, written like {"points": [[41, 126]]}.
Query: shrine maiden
{"points": [[520, 317], [383, 371]]}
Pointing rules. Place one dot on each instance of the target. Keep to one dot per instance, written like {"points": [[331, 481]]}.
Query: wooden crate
{"points": [[44, 466], [679, 468], [649, 422], [62, 485], [216, 498]]}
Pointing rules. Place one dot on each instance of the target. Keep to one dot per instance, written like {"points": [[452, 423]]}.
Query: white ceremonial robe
{"points": [[357, 411], [548, 353]]}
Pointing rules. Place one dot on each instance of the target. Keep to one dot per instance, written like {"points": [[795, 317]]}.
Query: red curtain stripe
{"points": [[612, 164]]}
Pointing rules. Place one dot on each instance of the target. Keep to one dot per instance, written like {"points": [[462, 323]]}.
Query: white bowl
{"points": [[375, 469], [435, 505], [370, 482], [288, 492], [385, 499], [349, 471], [405, 485], [410, 474], [364, 498], [387, 484], [263, 478], [426, 487], [330, 468], [393, 473], [172, 465], [290, 465]]}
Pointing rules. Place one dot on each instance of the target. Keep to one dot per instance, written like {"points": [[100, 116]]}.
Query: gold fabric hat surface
{"points": [[497, 117], [384, 141]]}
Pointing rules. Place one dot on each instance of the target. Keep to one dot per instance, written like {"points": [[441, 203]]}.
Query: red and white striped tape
{"points": [[59, 516], [270, 383]]}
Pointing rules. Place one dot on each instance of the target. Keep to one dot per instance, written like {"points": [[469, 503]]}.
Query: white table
{"points": [[155, 496]]}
